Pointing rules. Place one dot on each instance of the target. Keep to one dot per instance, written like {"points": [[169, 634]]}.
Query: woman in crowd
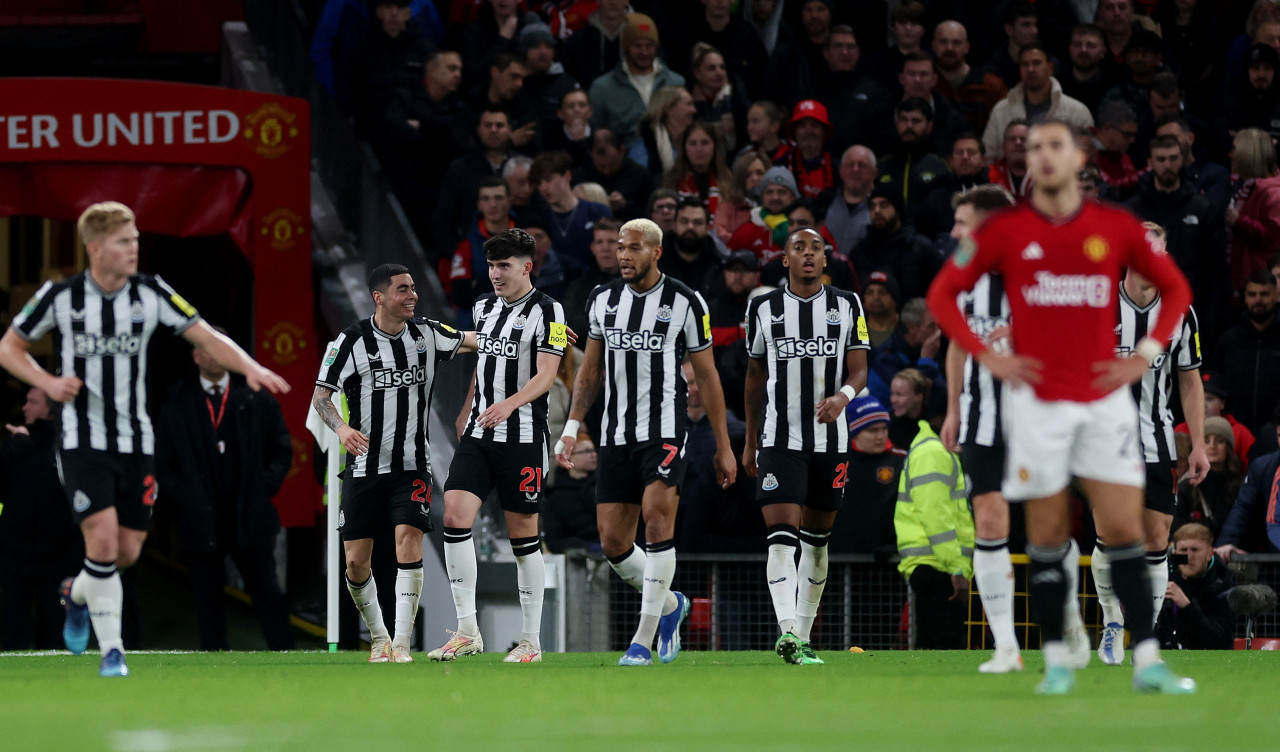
{"points": [[1254, 213], [700, 171], [748, 170], [1210, 502], [668, 116], [908, 393], [719, 98]]}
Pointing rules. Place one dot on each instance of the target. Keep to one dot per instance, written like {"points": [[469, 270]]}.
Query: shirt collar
{"points": [[206, 385]]}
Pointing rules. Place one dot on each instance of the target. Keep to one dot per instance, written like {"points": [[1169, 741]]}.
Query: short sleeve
{"points": [[859, 336], [553, 336], [595, 327], [1188, 342], [173, 310], [339, 364], [445, 339], [697, 324], [756, 346], [36, 317]]}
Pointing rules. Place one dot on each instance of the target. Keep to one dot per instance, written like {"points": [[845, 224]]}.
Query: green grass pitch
{"points": [[734, 701]]}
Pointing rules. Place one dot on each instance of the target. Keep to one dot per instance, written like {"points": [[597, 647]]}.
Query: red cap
{"points": [[811, 108]]}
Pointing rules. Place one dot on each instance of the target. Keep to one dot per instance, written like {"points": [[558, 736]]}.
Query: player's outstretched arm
{"points": [[352, 440], [228, 354], [753, 405], [832, 408], [585, 388], [469, 342], [540, 384], [15, 357], [704, 370], [1191, 389]]}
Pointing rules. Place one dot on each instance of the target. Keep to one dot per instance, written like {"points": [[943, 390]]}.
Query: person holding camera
{"points": [[1196, 614]]}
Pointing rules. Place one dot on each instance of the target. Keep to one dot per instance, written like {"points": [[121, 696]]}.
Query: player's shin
{"points": [[408, 593], [659, 571], [1048, 586], [1158, 573], [1133, 589], [365, 596], [1100, 567], [993, 574], [531, 580], [811, 577], [460, 562], [780, 569], [104, 595]]}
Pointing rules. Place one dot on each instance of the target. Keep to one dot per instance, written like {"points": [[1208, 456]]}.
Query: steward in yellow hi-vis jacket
{"points": [[935, 540]]}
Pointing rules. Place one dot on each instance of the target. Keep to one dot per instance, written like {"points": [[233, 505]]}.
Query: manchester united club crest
{"points": [[271, 130], [884, 474], [1095, 248]]}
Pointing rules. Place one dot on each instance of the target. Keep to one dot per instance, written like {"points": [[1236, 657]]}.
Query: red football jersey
{"points": [[1061, 278]]}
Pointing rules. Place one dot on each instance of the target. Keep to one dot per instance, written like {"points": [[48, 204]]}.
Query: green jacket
{"points": [[932, 517], [616, 104]]}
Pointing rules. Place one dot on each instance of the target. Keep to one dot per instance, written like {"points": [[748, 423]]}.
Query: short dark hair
{"points": [[919, 56], [1165, 142], [1261, 277], [504, 60], [1115, 113], [549, 163], [492, 181], [658, 195], [910, 11], [984, 198], [970, 136], [1173, 117], [914, 104], [1015, 10], [577, 89], [607, 224], [1165, 83], [844, 29], [1035, 44], [693, 203], [508, 244], [493, 109], [609, 136], [380, 277], [1090, 30], [1012, 123], [804, 202]]}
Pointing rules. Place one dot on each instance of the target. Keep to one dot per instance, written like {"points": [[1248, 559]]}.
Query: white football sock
{"points": [[630, 568], [993, 574], [1145, 653], [1158, 570], [365, 596], [1100, 565], [811, 577], [105, 597], [1071, 618], [780, 572], [408, 593], [659, 570], [460, 563], [531, 581]]}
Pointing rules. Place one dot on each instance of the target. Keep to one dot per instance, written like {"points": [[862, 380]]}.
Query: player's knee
{"points": [[614, 545], [990, 516], [455, 519], [358, 569], [127, 558]]}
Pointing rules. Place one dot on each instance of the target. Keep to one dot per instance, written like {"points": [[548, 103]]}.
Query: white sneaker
{"points": [[1004, 661], [1111, 646], [381, 650], [1078, 647], [457, 645], [525, 652], [400, 653]]}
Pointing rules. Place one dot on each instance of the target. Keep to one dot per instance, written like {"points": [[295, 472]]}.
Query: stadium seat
{"points": [[699, 622], [1260, 643]]}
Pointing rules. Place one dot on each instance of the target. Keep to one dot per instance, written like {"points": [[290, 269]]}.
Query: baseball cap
{"points": [[811, 108], [746, 258], [886, 280]]}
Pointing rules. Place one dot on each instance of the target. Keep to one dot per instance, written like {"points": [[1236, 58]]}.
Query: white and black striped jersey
{"points": [[646, 336], [986, 308], [803, 342], [509, 337], [1155, 420], [387, 379], [101, 338]]}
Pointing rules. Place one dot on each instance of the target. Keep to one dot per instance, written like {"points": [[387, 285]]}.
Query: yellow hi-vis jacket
{"points": [[932, 517]]}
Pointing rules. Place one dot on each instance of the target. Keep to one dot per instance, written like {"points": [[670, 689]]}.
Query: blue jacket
{"points": [[343, 24], [1246, 525]]}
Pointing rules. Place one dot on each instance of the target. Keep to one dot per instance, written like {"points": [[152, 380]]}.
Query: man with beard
{"points": [[695, 261], [911, 170], [768, 220], [1010, 171], [627, 183], [895, 247], [1086, 79], [1249, 354], [974, 91], [918, 78], [968, 163]]}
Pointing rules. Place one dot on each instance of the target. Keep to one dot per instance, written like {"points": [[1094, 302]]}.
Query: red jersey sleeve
{"points": [[960, 273], [1148, 257]]}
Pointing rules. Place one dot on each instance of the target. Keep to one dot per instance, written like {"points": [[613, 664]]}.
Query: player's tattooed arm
{"points": [[354, 441]]}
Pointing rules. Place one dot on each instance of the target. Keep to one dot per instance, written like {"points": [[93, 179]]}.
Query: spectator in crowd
{"points": [[1143, 59], [602, 271], [865, 525], [1021, 28], [1254, 213], [661, 208], [626, 183], [916, 343], [389, 57], [504, 90], [1091, 185], [895, 247], [1248, 354], [935, 540], [1117, 128], [700, 171], [974, 91], [621, 95], [795, 66], [718, 96], [909, 393], [571, 130], [569, 515], [748, 172], [911, 169], [1253, 99], [766, 232], [495, 31], [569, 217], [1190, 30], [1037, 96], [1211, 180], [1215, 405], [880, 297], [551, 270], [918, 79], [546, 83], [222, 450], [342, 25], [454, 209], [1010, 170], [1195, 236], [765, 16], [1251, 525], [1196, 614], [469, 273], [764, 128], [691, 255], [1116, 17], [516, 173], [1087, 79], [838, 271], [745, 57], [593, 50], [1262, 26], [857, 106], [810, 161], [1165, 100], [968, 168], [848, 215], [39, 542], [727, 307], [416, 137], [1210, 502], [666, 119]]}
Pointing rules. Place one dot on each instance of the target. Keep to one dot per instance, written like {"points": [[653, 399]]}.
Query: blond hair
{"points": [[1255, 155], [1193, 530], [646, 227], [102, 219], [593, 192]]}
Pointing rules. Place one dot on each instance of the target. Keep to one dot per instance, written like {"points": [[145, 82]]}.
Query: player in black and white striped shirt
{"points": [[808, 346], [386, 365], [1139, 307], [973, 427], [521, 336], [642, 327], [102, 321]]}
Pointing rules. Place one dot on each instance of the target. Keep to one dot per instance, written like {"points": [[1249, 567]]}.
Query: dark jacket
{"points": [[589, 54], [1246, 525], [1207, 622], [865, 525], [699, 274], [910, 258], [937, 217], [576, 293], [569, 515], [858, 107], [37, 534], [745, 57], [455, 210], [186, 457], [544, 91], [383, 64], [1250, 361], [914, 174], [634, 182]]}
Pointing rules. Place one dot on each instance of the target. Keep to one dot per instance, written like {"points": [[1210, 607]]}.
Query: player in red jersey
{"points": [[1067, 411]]}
